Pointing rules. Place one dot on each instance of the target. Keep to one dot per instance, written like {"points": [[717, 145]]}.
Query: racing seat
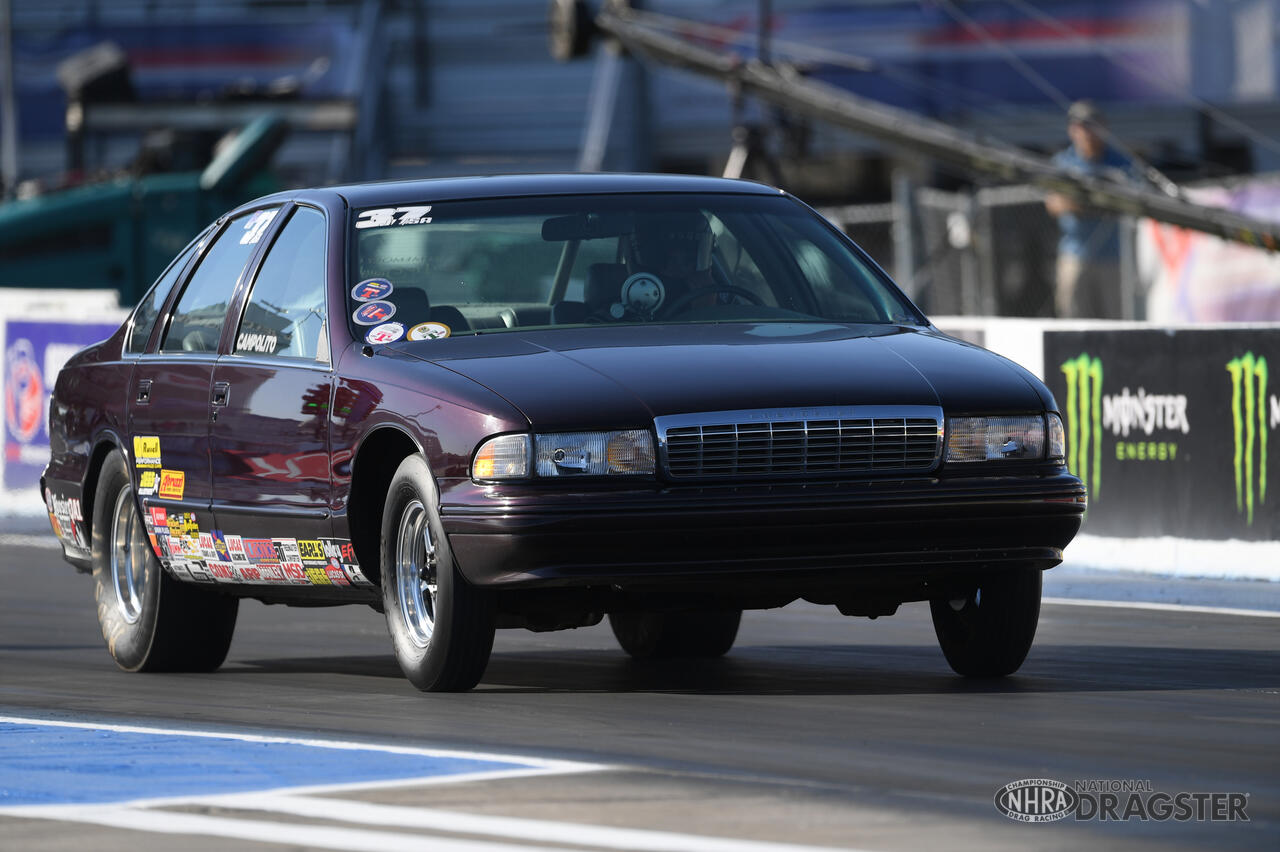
{"points": [[603, 288]]}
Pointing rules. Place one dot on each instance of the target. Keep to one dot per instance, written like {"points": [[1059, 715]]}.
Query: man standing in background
{"points": [[1088, 273]]}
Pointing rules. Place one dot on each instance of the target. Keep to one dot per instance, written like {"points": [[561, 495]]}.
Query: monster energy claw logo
{"points": [[1249, 422], [1084, 420]]}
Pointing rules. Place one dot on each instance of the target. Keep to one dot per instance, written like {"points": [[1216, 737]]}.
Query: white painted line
{"points": [[532, 762], [1164, 607], [291, 835], [48, 542], [527, 830]]}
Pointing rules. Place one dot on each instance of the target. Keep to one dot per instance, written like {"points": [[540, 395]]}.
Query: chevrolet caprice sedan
{"points": [[538, 401]]}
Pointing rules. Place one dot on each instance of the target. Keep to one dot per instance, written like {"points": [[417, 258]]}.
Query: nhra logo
{"points": [[1250, 428], [1036, 800]]}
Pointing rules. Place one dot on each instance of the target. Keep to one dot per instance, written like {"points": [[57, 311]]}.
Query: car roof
{"points": [[508, 186]]}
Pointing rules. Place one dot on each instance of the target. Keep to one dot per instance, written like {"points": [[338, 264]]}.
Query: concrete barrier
{"points": [[39, 331], [1175, 431]]}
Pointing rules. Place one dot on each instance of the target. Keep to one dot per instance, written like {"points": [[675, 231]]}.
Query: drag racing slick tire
{"points": [[441, 626], [657, 635], [151, 621], [987, 629]]}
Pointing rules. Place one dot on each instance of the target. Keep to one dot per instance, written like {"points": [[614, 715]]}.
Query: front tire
{"points": [[441, 626], [987, 630], [151, 621], [658, 635]]}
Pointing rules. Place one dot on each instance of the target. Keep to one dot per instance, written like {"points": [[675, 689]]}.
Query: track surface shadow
{"points": [[838, 670]]}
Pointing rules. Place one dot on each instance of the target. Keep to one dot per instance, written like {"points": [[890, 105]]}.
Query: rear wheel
{"points": [[653, 635], [987, 630], [151, 621], [441, 627]]}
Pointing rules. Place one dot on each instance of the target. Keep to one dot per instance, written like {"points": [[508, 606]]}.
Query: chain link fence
{"points": [[990, 252]]}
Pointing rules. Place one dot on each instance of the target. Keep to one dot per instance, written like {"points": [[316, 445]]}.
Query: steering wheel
{"points": [[676, 305]]}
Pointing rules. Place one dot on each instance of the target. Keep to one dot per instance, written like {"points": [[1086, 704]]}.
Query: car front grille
{"points": [[806, 442]]}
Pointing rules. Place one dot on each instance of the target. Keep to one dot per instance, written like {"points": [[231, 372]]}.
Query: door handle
{"points": [[221, 393], [144, 392]]}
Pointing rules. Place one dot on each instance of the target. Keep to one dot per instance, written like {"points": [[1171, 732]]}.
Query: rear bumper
{"points": [[800, 537]]}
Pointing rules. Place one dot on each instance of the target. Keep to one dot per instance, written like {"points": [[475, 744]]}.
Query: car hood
{"points": [[624, 376]]}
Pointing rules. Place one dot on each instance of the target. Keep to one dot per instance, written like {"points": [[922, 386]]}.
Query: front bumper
{"points": [[858, 534]]}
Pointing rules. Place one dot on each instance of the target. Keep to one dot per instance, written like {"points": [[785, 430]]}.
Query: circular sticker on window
{"points": [[371, 289], [372, 313], [388, 332], [429, 331]]}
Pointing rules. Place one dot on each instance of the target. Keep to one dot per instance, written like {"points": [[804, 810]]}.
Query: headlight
{"points": [[1057, 438], [975, 439], [503, 457], [623, 453]]}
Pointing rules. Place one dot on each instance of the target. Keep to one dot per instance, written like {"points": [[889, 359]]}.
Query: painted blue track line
{"points": [[48, 765]]}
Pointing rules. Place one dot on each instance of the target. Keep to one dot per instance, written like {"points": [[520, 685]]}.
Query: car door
{"points": [[169, 399], [270, 432]]}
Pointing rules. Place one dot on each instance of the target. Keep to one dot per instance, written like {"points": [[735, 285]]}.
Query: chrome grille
{"points": [[801, 442]]}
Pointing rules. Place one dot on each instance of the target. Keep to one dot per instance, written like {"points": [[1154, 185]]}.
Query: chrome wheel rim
{"points": [[416, 573], [128, 557]]}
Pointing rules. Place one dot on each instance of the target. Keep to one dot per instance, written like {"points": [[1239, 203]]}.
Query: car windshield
{"points": [[464, 267]]}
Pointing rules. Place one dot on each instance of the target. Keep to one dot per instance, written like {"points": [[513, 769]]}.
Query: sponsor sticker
{"points": [[388, 332], [271, 572], [311, 551], [260, 550], [336, 577], [294, 572], [206, 547], [220, 546], [386, 217], [318, 576], [146, 451], [372, 289], [172, 484], [429, 331], [223, 572], [249, 341], [235, 545], [256, 225], [373, 313], [286, 550], [147, 481]]}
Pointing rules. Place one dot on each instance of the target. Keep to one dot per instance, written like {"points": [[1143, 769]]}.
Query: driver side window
{"points": [[198, 318]]}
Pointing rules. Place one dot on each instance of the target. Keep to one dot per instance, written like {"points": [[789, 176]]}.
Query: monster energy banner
{"points": [[1173, 432]]}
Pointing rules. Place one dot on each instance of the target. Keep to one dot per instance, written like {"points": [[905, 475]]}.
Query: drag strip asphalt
{"points": [[815, 731]]}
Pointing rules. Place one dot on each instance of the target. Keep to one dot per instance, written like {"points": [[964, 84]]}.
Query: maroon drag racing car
{"points": [[536, 401]]}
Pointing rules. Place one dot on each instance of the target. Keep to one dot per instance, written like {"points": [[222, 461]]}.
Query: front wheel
{"points": [[987, 630], [651, 635], [441, 627], [151, 621]]}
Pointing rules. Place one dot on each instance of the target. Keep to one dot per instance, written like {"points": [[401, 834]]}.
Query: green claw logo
{"points": [[1249, 421], [1084, 420]]}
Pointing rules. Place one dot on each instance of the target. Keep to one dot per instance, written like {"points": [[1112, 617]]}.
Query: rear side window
{"points": [[144, 318], [285, 316], [198, 317]]}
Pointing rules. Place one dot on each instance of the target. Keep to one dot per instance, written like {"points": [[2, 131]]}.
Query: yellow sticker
{"points": [[172, 483], [147, 481], [318, 577], [311, 551], [146, 451]]}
